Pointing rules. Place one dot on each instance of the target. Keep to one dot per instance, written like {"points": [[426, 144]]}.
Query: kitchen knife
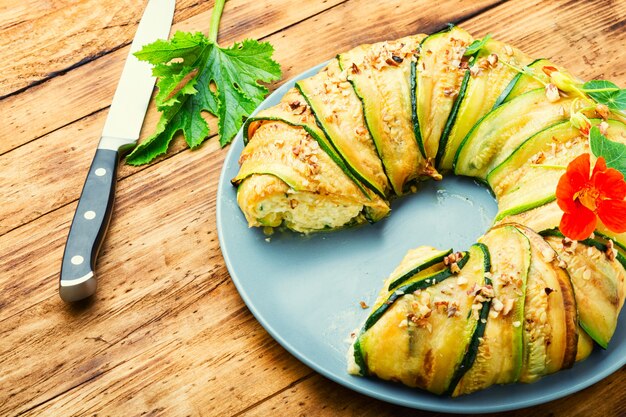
{"points": [[120, 134]]}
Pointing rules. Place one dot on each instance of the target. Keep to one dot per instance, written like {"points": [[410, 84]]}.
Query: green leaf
{"points": [[606, 92], [477, 45], [614, 153], [196, 76], [599, 85], [183, 45], [235, 72]]}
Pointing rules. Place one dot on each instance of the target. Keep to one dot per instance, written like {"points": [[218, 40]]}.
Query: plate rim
{"points": [[348, 383]]}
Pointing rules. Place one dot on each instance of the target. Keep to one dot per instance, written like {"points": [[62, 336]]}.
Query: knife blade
{"points": [[120, 134]]}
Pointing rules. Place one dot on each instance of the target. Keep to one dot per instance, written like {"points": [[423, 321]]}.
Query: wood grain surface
{"points": [[167, 333]]}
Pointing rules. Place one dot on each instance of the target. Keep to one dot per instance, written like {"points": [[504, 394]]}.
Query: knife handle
{"points": [[88, 228]]}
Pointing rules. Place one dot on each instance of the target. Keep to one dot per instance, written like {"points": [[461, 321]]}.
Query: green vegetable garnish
{"points": [[195, 75]]}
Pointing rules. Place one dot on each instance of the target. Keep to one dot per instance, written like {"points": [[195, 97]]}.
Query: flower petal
{"points": [[575, 179], [581, 165], [613, 214], [610, 183], [579, 224]]}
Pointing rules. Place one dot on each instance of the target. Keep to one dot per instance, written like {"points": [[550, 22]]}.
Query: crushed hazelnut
{"points": [[508, 50], [603, 127], [611, 252], [492, 59], [497, 305], [602, 110], [508, 306], [538, 158], [450, 92], [355, 69], [363, 305], [552, 93]]}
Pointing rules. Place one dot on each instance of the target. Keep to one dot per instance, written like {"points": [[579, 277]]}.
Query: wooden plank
{"points": [[144, 308], [39, 111], [30, 171], [90, 29], [167, 318], [320, 397]]}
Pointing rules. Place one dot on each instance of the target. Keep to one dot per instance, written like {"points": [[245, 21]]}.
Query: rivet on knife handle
{"points": [[88, 228]]}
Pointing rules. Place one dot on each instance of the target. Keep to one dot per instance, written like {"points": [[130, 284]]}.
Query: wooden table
{"points": [[167, 333]]}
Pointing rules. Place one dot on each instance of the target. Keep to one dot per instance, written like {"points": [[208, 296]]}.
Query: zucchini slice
{"points": [[585, 345], [523, 83], [380, 75], [529, 176], [550, 318], [598, 283], [339, 113], [294, 111], [549, 216], [499, 355], [502, 130], [286, 178], [438, 80], [419, 335], [423, 260], [479, 96]]}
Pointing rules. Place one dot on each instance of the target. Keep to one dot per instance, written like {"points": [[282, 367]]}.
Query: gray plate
{"points": [[305, 290]]}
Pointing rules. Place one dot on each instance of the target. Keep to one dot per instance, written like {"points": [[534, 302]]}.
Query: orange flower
{"points": [[584, 198]]}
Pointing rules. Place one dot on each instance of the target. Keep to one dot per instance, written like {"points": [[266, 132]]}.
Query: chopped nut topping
{"points": [[602, 110], [453, 310], [450, 92], [538, 158], [611, 252], [296, 150], [293, 203], [548, 290], [548, 254], [508, 306], [454, 268], [552, 93], [461, 281], [562, 264], [363, 305], [355, 69], [508, 50], [604, 127], [474, 70], [492, 59], [497, 305]]}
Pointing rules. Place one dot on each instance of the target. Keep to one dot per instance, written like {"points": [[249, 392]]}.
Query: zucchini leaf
{"points": [[196, 75]]}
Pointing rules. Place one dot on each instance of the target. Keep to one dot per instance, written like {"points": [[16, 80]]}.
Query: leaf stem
{"points": [[216, 16], [526, 71], [546, 166]]}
